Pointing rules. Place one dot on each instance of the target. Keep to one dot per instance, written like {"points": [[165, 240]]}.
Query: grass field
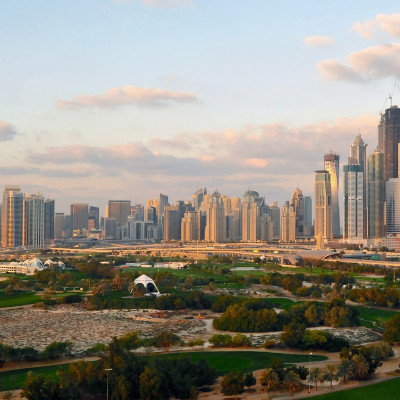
{"points": [[222, 361], [10, 380], [17, 299], [225, 361], [283, 303], [373, 317], [388, 390]]}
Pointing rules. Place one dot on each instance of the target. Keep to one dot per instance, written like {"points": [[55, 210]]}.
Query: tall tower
{"points": [[323, 205], [12, 217], [388, 140], [33, 226], [215, 229], [376, 194], [172, 223], [49, 220], [297, 202], [358, 155], [251, 212], [308, 216], [331, 164], [276, 219], [120, 210], [353, 206], [198, 198], [393, 206], [79, 216]]}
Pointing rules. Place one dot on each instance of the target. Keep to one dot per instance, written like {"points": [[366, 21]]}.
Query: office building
{"points": [[58, 225], [275, 212], [288, 223], [215, 229], [79, 216], [388, 140], [110, 228], [323, 206], [353, 204], [198, 198], [308, 217], [49, 211], [120, 210], [172, 223], [33, 221], [376, 194], [251, 213], [393, 206], [12, 217], [94, 213], [331, 164], [189, 227], [297, 202]]}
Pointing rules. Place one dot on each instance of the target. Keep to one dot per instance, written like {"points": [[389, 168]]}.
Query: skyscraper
{"points": [[172, 223], [288, 223], [308, 217], [331, 164], [79, 216], [251, 213], [215, 229], [358, 153], [276, 219], [58, 225], [12, 217], [198, 198], [48, 220], [388, 140], [189, 227], [94, 212], [393, 206], [376, 194], [353, 204], [323, 205], [297, 202], [33, 221], [120, 210]]}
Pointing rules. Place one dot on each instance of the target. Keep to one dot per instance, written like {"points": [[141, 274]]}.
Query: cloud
{"points": [[382, 22], [369, 64], [128, 95], [318, 41], [7, 131]]}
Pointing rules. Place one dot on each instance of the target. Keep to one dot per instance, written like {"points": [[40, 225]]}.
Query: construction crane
{"points": [[390, 97]]}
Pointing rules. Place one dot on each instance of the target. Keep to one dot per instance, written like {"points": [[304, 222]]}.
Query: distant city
{"points": [[371, 209]]}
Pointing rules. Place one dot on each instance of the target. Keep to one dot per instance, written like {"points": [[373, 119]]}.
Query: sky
{"points": [[124, 99]]}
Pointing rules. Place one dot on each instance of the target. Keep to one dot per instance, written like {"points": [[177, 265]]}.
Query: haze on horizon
{"points": [[126, 99]]}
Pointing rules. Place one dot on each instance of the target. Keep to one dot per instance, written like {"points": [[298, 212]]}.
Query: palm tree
{"points": [[316, 376], [294, 381], [345, 368], [360, 367], [331, 373], [270, 380]]}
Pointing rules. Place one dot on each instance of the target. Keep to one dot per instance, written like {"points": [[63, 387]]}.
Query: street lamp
{"points": [[309, 374], [107, 370]]}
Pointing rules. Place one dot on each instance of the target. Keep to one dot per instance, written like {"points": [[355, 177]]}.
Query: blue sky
{"points": [[129, 98]]}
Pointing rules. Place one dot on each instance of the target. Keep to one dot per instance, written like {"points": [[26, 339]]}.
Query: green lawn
{"points": [[225, 361], [388, 390], [373, 317], [17, 299], [10, 380]]}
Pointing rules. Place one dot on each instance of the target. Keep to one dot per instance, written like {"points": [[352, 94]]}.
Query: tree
{"points": [[130, 341], [331, 373], [360, 367], [152, 385], [316, 376], [345, 368], [249, 380], [166, 340], [220, 340], [293, 380], [232, 383], [196, 343], [292, 335], [270, 380], [56, 350], [392, 331]]}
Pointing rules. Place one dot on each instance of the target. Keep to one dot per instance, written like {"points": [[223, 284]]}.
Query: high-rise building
{"points": [[198, 198], [308, 217], [376, 194], [251, 213], [33, 221], [353, 205], [58, 225], [297, 201], [288, 223], [94, 213], [110, 228], [120, 210], [12, 213], [79, 216], [215, 229], [189, 227], [358, 155], [323, 205], [393, 206], [276, 219], [49, 220], [150, 214], [388, 140], [331, 164], [172, 223]]}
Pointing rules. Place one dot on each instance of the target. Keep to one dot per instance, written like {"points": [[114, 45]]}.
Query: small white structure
{"points": [[148, 283], [28, 267]]}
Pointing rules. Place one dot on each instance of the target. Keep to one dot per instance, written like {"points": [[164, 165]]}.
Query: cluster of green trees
{"points": [[392, 330], [221, 340], [129, 377], [258, 316], [387, 296], [52, 351]]}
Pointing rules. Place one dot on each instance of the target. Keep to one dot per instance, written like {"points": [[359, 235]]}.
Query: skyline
{"points": [[142, 97]]}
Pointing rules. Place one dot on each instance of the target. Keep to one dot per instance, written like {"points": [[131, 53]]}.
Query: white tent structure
{"points": [[148, 283]]}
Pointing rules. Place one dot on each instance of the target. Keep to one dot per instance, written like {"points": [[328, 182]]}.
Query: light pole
{"points": [[107, 370], [309, 373]]}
